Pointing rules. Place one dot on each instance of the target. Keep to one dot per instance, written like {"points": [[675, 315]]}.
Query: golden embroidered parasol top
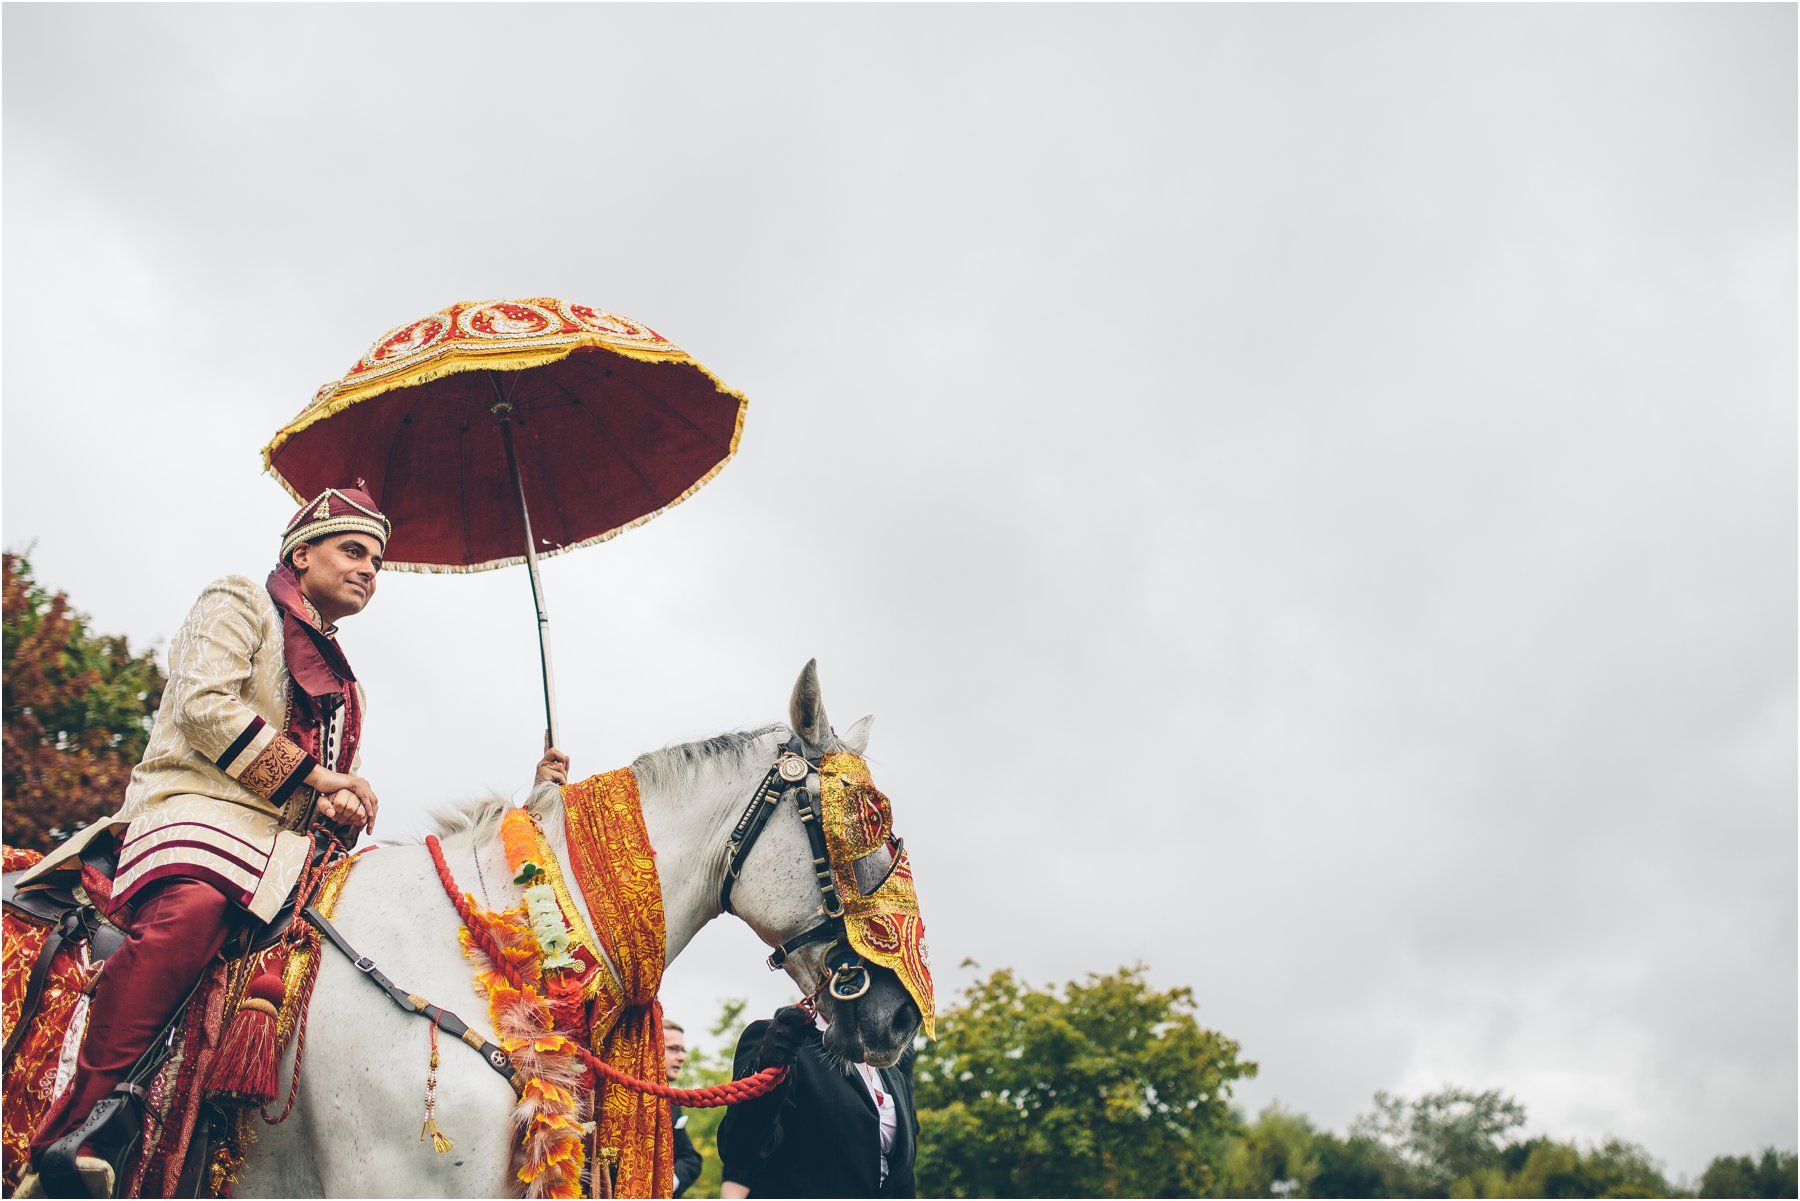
{"points": [[492, 432], [613, 424]]}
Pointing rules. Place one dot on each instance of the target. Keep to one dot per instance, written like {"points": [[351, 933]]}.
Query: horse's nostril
{"points": [[906, 1020]]}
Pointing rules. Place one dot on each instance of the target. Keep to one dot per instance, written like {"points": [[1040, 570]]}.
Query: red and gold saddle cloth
{"points": [[44, 1061], [33, 1077]]}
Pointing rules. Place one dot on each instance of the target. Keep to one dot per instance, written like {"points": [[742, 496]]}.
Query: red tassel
{"points": [[250, 1054]]}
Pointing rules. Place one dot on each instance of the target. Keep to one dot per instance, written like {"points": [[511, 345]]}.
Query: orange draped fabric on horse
{"points": [[615, 866]]}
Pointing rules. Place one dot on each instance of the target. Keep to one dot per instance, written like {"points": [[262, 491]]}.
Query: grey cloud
{"points": [[1358, 439]]}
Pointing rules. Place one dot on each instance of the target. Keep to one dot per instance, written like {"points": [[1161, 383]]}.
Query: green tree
{"points": [[1623, 1169], [77, 713], [1542, 1167], [1104, 1088], [708, 1067], [1775, 1174], [1359, 1166], [1274, 1156], [1443, 1136]]}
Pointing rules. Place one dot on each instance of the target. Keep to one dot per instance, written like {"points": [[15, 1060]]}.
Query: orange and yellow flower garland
{"points": [[547, 987], [533, 942]]}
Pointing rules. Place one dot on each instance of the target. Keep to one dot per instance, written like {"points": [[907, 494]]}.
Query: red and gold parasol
{"points": [[494, 432]]}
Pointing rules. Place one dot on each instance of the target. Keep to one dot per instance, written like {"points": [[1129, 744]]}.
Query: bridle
{"points": [[796, 775]]}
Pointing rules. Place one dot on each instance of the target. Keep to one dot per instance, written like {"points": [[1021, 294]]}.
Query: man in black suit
{"points": [[824, 1131], [687, 1156]]}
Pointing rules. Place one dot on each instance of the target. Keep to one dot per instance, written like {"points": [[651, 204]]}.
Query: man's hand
{"points": [[345, 799], [553, 768], [781, 1041], [346, 809]]}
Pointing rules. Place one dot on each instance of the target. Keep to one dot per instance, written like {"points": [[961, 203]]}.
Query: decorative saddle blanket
{"points": [[225, 1043]]}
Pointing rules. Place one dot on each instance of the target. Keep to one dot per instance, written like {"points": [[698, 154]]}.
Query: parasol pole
{"points": [[503, 411]]}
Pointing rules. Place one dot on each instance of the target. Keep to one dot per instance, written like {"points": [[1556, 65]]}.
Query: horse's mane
{"points": [[473, 821], [665, 766]]}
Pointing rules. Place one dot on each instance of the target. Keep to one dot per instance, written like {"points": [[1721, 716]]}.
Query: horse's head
{"points": [[826, 883]]}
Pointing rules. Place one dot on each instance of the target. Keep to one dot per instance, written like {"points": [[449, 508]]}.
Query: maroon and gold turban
{"points": [[883, 924], [335, 511]]}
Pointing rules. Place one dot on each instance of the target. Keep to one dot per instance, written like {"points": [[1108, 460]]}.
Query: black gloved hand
{"points": [[781, 1041]]}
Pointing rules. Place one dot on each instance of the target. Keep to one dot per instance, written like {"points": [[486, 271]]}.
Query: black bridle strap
{"points": [[743, 836], [494, 1057], [813, 820], [819, 933], [847, 964]]}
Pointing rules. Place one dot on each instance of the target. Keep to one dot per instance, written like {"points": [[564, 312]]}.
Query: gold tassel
{"points": [[439, 1141]]}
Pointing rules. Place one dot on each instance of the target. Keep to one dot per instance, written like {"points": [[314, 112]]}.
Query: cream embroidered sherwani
{"points": [[220, 792]]}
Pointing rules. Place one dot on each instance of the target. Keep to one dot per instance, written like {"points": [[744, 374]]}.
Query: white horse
{"points": [[354, 1130]]}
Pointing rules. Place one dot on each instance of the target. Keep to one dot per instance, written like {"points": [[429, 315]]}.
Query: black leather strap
{"points": [[75, 924], [819, 933], [846, 966], [812, 819], [46, 902], [112, 1128], [70, 927], [496, 1058], [743, 836]]}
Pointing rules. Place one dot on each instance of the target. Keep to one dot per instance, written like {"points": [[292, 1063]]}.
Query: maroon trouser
{"points": [[176, 927]]}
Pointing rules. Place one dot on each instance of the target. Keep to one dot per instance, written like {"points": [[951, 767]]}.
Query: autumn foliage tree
{"points": [[77, 711]]}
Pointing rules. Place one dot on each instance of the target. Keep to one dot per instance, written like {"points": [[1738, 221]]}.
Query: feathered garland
{"points": [[533, 944]]}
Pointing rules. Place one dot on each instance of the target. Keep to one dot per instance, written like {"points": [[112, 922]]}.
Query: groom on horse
{"points": [[255, 741]]}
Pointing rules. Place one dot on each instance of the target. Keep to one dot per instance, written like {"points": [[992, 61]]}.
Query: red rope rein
{"points": [[711, 1097], [461, 901], [729, 1093]]}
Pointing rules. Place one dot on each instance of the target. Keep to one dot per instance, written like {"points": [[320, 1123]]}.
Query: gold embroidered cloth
{"points": [[885, 926], [31, 1076], [615, 866]]}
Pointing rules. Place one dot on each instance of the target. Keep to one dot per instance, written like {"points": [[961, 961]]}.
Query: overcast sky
{"points": [[1308, 493]]}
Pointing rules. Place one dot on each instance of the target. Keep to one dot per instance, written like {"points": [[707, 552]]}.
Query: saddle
{"points": [[74, 918], [83, 914]]}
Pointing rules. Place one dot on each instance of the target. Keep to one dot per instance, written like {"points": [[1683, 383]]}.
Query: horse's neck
{"points": [[688, 815], [688, 825]]}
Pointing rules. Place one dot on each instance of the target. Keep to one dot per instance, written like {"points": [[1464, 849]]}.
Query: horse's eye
{"points": [[873, 869]]}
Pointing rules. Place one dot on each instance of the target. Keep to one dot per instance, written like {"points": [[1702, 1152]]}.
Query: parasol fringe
{"points": [[512, 360], [737, 434]]}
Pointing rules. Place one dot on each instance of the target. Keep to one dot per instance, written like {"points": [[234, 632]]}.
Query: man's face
{"points": [[674, 1052], [337, 574]]}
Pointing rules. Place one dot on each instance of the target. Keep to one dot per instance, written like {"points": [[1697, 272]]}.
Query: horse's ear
{"points": [[856, 741], [806, 711]]}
